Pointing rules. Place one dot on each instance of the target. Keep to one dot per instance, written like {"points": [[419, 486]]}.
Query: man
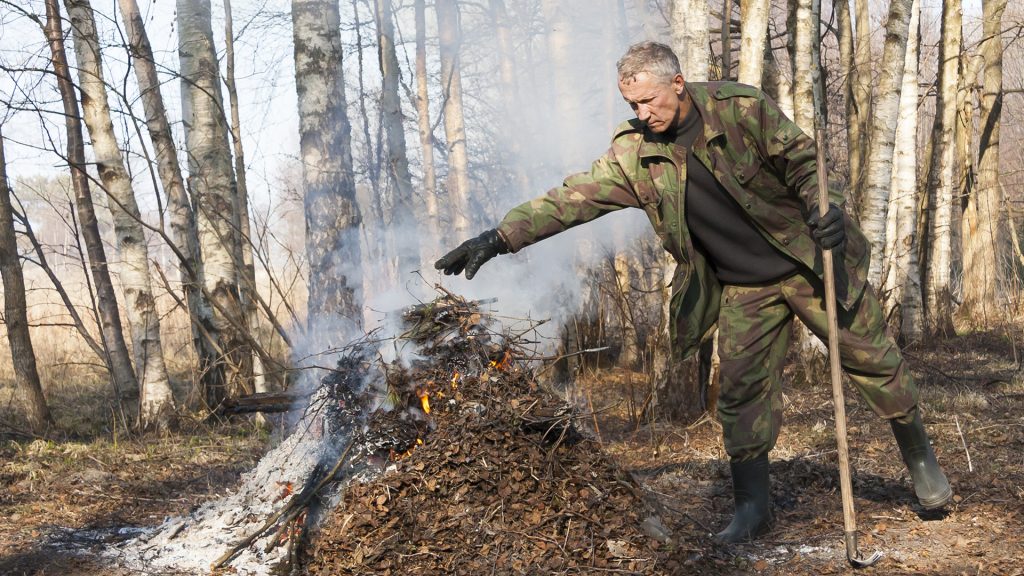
{"points": [[730, 185]]}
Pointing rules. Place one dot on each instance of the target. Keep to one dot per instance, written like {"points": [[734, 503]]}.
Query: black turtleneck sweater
{"points": [[719, 227]]}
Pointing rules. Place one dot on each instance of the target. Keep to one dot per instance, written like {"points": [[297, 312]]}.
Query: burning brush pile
{"points": [[450, 458]]}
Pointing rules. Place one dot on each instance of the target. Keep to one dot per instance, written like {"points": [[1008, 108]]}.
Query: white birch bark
{"points": [[510, 93], [753, 37], [844, 24], [859, 122], [806, 68], [454, 123], [688, 22], [429, 248], [243, 247], [806, 21], [184, 232], [981, 234], [938, 299], [108, 314], [332, 215], [210, 180], [902, 279], [776, 82], [156, 401], [883, 134]]}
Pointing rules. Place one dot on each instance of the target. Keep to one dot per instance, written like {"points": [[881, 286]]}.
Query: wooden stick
{"points": [[845, 483]]}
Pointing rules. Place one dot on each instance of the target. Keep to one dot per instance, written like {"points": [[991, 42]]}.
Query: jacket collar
{"points": [[701, 97]]}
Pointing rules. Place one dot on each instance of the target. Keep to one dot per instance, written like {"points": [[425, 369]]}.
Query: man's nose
{"points": [[643, 113]]}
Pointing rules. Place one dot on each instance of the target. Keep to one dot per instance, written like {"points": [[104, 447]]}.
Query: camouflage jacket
{"points": [[759, 156]]}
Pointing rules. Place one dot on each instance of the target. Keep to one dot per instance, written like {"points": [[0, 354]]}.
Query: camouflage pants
{"points": [[754, 333]]}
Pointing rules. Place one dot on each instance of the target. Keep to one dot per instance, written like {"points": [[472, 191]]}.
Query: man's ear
{"points": [[678, 84]]}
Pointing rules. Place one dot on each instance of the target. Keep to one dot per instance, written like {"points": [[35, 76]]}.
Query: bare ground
{"points": [[570, 510]]}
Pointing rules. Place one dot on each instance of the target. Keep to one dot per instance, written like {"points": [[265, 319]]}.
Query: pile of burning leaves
{"points": [[494, 477]]}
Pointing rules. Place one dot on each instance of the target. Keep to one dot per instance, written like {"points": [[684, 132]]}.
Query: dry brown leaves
{"points": [[484, 496]]}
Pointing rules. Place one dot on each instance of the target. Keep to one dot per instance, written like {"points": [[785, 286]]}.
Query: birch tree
{"points": [[118, 360], [563, 81], [156, 401], [240, 214], [397, 161], [23, 357], [753, 38], [859, 82], [847, 69], [332, 215], [807, 94], [184, 232], [510, 92], [902, 273], [211, 182], [982, 211], [454, 123], [883, 134], [937, 251], [429, 249], [688, 22]]}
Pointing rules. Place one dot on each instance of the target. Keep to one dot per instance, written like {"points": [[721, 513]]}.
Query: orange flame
{"points": [[425, 402], [504, 363], [455, 380], [286, 490]]}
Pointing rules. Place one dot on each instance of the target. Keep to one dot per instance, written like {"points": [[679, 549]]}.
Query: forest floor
{"points": [[432, 516]]}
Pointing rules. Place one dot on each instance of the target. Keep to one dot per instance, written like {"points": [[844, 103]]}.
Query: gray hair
{"points": [[656, 59]]}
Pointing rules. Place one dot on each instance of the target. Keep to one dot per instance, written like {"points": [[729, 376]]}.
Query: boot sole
{"points": [[938, 501]]}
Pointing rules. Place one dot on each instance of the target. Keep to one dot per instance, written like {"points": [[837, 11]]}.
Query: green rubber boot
{"points": [[930, 483], [753, 515]]}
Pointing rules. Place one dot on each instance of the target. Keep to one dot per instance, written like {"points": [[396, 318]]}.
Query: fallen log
{"points": [[263, 402]]}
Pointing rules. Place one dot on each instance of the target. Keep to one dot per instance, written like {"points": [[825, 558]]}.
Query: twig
{"points": [[593, 415], [970, 467], [289, 512]]}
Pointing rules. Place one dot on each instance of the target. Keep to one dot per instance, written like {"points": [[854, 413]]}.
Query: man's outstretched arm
{"points": [[581, 198]]}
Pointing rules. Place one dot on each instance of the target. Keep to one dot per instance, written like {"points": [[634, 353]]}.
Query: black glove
{"points": [[471, 254], [828, 230]]}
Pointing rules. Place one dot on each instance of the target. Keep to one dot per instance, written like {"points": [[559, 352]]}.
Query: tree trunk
{"points": [[902, 274], [404, 220], [211, 181], [119, 361], [805, 17], [688, 22], [860, 95], [243, 248], [563, 79], [775, 83], [938, 248], [807, 96], [753, 39], [429, 248], [26, 376], [846, 68], [510, 95], [449, 37], [981, 237], [883, 134], [156, 401], [184, 232], [725, 39], [332, 215], [430, 245]]}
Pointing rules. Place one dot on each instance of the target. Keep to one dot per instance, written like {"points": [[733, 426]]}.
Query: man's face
{"points": [[657, 103]]}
